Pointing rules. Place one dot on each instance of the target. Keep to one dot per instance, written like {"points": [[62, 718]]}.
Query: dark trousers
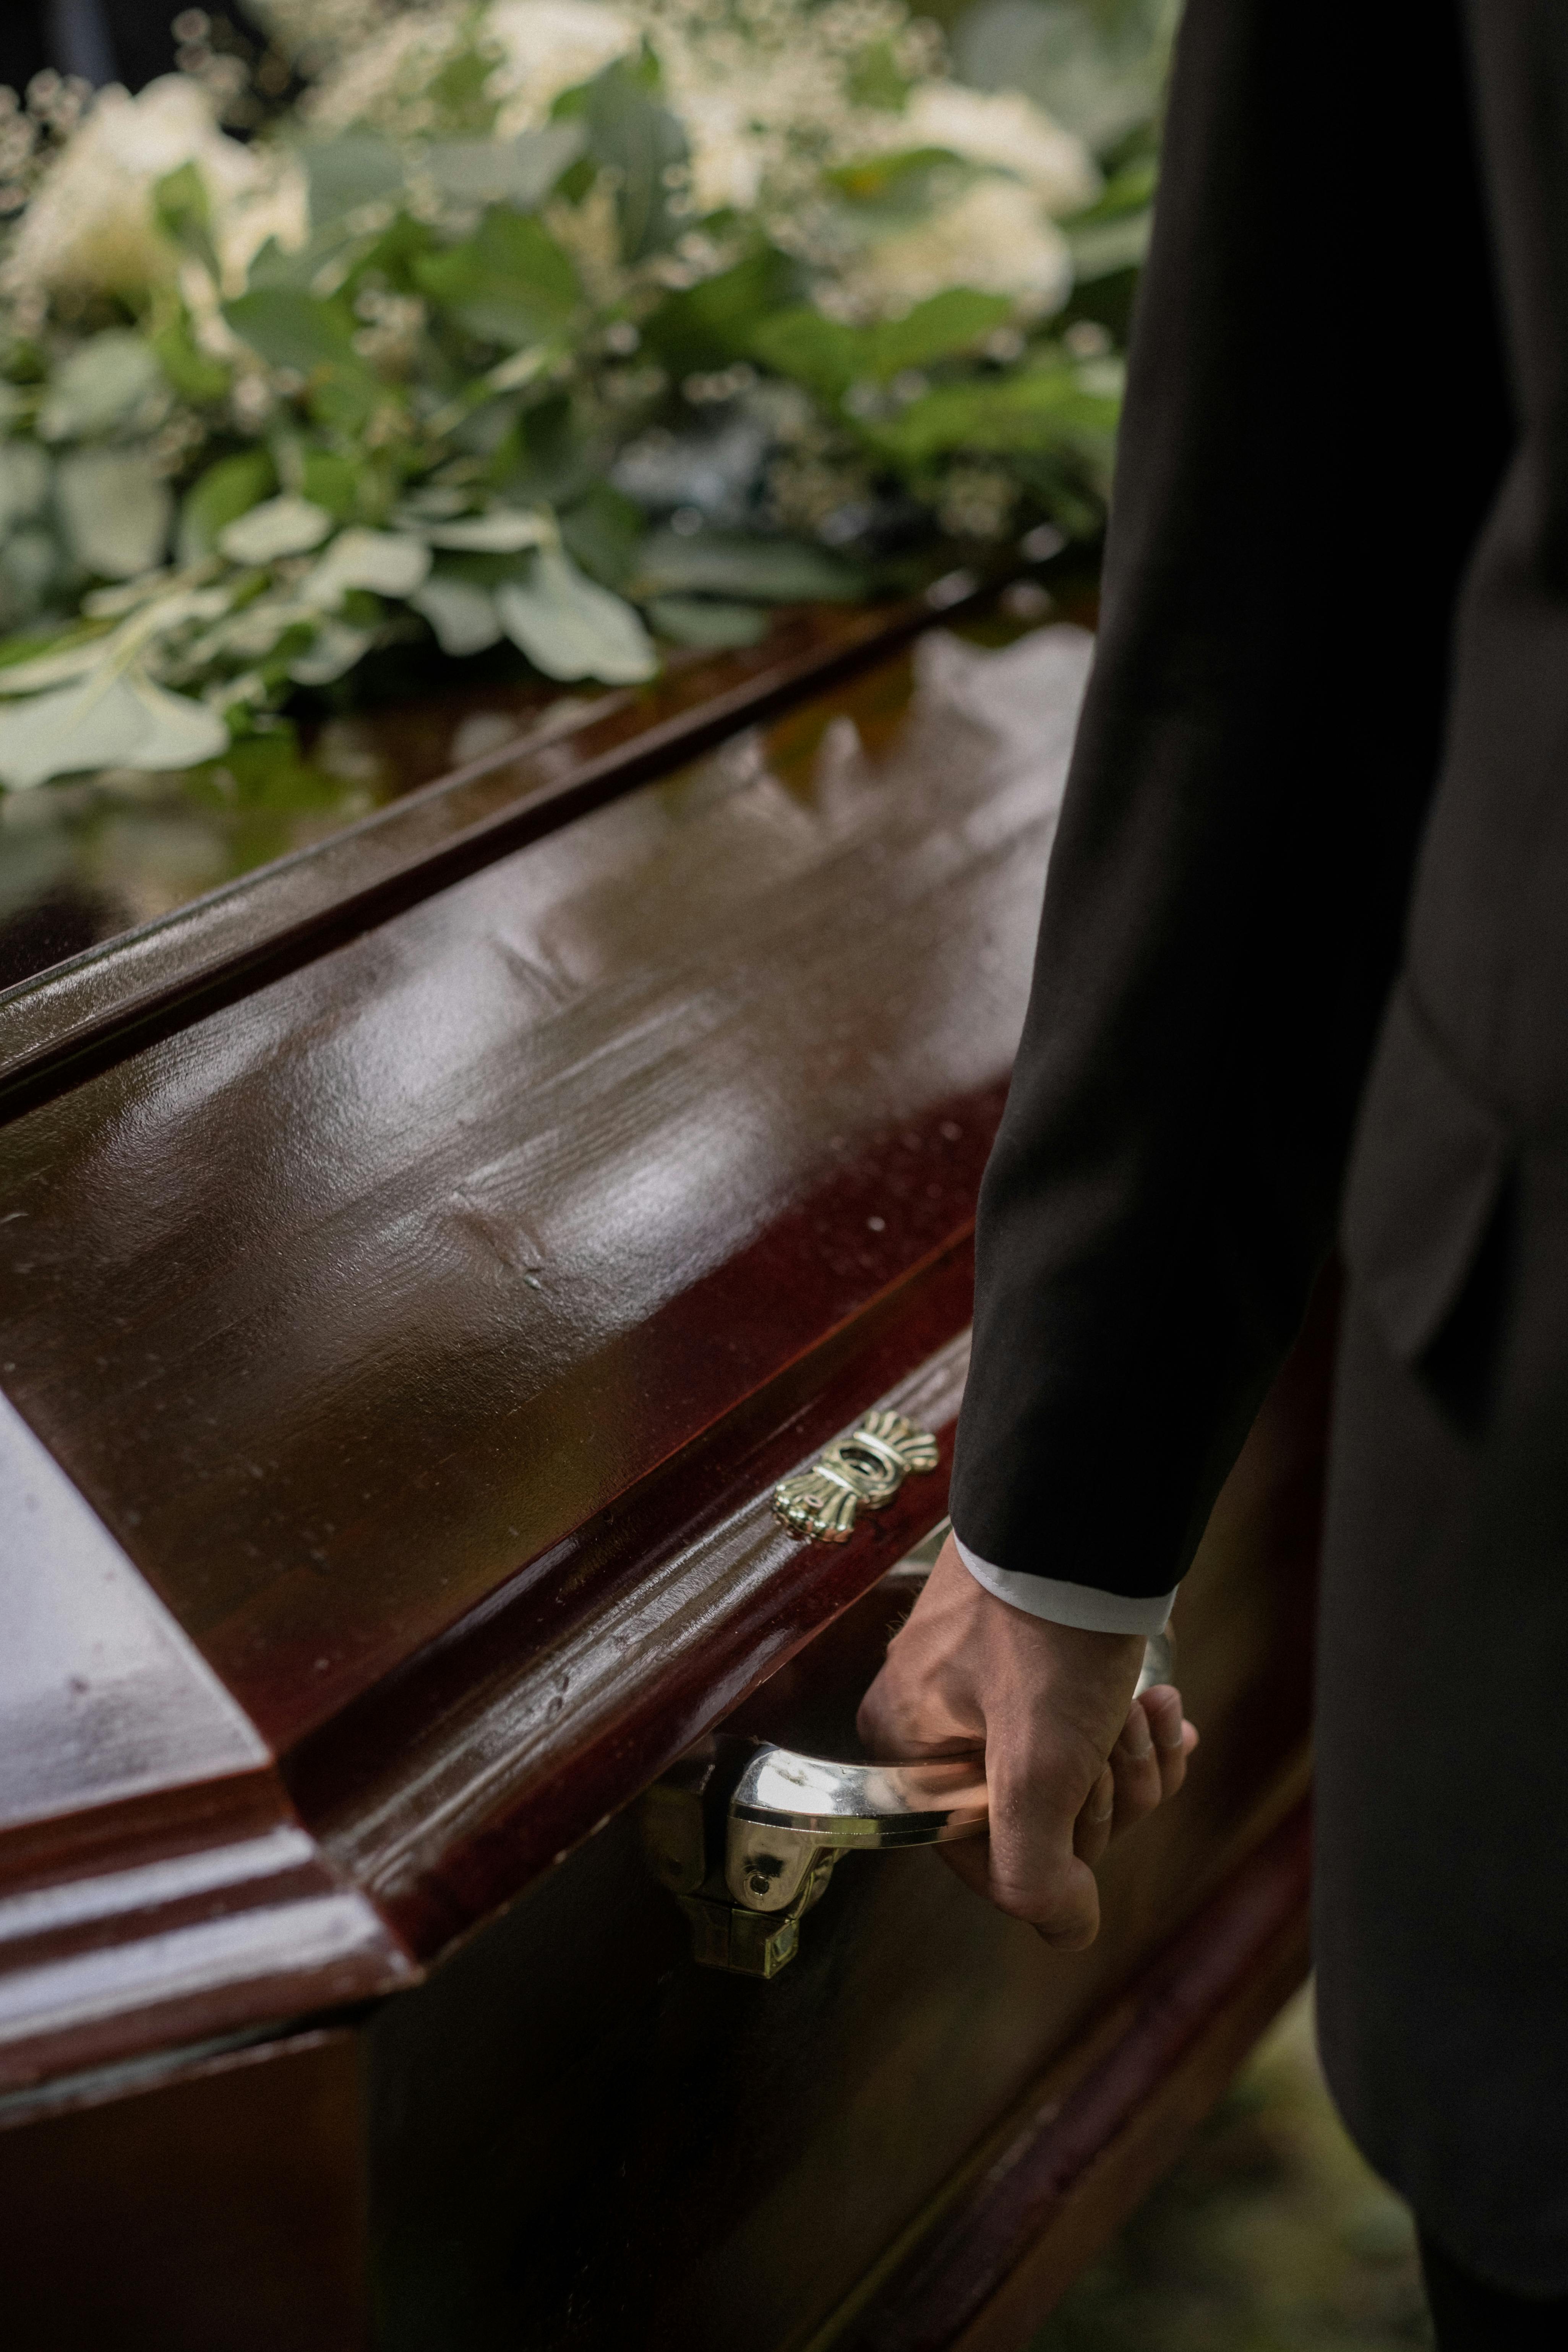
{"points": [[1469, 2316]]}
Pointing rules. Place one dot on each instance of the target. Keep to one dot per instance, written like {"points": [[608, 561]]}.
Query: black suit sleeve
{"points": [[1316, 421]]}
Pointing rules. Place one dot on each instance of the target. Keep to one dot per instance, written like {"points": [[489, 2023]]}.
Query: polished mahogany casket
{"points": [[420, 1263]]}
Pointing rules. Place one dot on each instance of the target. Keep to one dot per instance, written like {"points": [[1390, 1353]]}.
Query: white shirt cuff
{"points": [[1083, 1605]]}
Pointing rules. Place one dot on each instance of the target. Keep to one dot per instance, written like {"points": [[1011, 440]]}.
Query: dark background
{"points": [[104, 40]]}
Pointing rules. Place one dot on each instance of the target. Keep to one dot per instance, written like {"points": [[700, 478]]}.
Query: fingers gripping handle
{"points": [[791, 1815]]}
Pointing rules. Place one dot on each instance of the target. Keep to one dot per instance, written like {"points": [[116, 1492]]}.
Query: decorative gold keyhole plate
{"points": [[862, 1470]]}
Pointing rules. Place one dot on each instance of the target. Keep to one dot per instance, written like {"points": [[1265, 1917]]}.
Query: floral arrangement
{"points": [[580, 326]]}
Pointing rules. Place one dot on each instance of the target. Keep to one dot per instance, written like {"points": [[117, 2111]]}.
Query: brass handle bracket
{"points": [[861, 1472]]}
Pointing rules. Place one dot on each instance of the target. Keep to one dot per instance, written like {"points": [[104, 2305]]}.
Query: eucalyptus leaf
{"points": [[642, 141], [55, 662], [337, 649], [517, 172], [388, 563], [219, 497], [505, 531], [105, 720], [102, 385], [118, 514], [570, 627], [462, 614], [292, 329], [344, 173], [284, 525], [26, 477]]}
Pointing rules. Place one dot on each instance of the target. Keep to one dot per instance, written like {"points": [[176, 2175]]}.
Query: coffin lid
{"points": [[404, 1319]]}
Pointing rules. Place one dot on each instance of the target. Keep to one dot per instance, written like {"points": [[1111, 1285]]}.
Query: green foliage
{"points": [[641, 141], [226, 491], [291, 329], [517, 388], [718, 320], [509, 284], [359, 168], [828, 357], [184, 212], [194, 374], [877, 78], [1043, 406], [603, 532]]}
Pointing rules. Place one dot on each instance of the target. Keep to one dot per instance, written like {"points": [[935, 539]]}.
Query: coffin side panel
{"points": [[222, 2212]]}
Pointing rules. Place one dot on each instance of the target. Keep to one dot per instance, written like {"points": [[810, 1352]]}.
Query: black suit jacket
{"points": [[1304, 959], [1318, 424]]}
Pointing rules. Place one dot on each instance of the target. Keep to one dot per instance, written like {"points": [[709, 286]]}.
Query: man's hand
{"points": [[1071, 1758]]}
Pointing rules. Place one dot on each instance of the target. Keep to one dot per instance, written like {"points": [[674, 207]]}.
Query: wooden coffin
{"points": [[417, 1266]]}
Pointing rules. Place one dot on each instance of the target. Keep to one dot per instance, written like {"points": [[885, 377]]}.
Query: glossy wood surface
{"points": [[375, 1308], [154, 1880], [544, 765]]}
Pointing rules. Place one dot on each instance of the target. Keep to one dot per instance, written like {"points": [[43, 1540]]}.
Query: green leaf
{"points": [[462, 613], [105, 721], [281, 525], [941, 328], [828, 357], [569, 627], [194, 374], [381, 563], [1101, 247], [101, 386], [117, 512], [183, 212], [1038, 409], [335, 649], [505, 531], [824, 354], [510, 284], [877, 78], [224, 492], [701, 621], [25, 478], [517, 172], [292, 329], [603, 533], [52, 657], [898, 184], [345, 395], [713, 323], [332, 481], [344, 173], [762, 571], [640, 140]]}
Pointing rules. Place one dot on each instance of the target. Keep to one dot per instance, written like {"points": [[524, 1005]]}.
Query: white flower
{"points": [[551, 46], [90, 224], [996, 236], [1006, 130], [728, 159], [277, 206]]}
